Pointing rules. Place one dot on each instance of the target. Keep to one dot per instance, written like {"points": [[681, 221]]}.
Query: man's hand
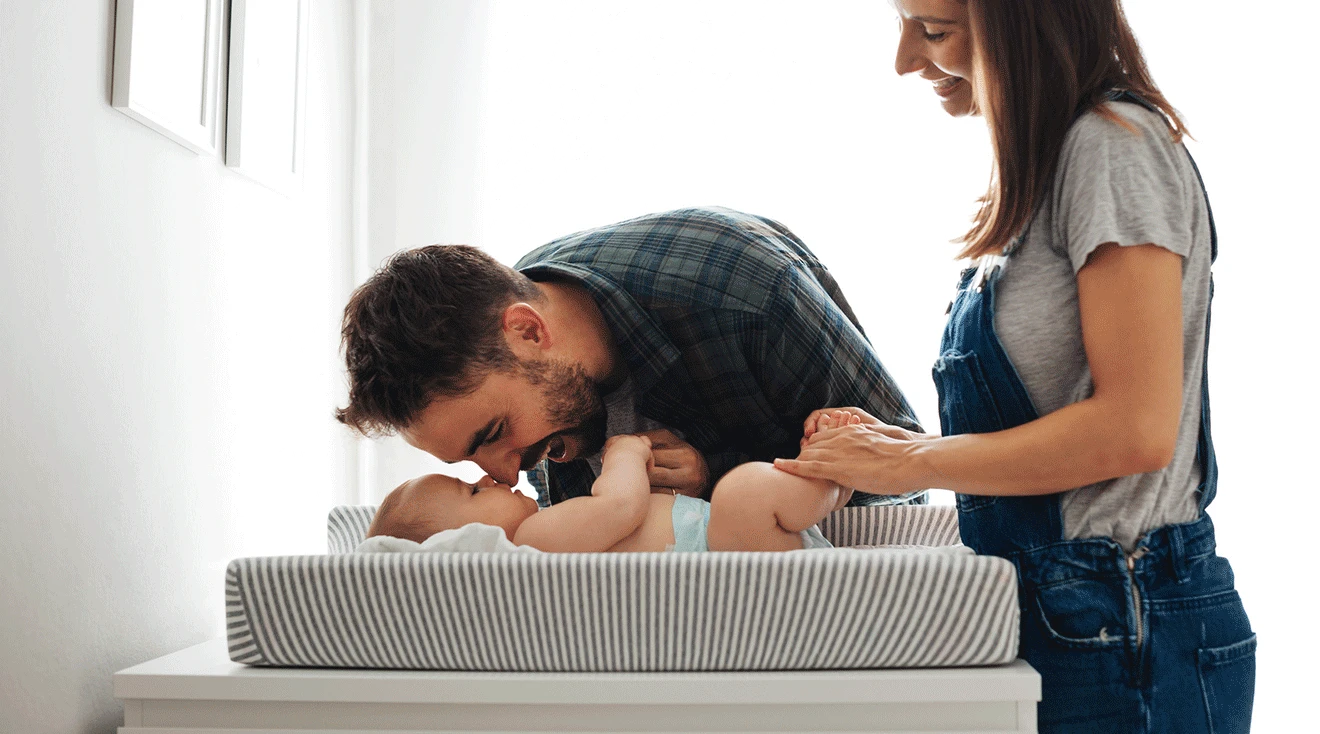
{"points": [[679, 467]]}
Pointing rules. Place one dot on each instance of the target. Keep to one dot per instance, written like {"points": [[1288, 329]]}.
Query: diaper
{"points": [[691, 516], [813, 538]]}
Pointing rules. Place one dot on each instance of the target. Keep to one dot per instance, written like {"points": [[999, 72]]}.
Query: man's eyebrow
{"points": [[480, 437]]}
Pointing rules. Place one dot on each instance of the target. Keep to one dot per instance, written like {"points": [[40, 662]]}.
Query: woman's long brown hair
{"points": [[1036, 64]]}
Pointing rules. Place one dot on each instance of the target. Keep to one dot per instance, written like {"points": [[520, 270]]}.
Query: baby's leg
{"points": [[756, 507]]}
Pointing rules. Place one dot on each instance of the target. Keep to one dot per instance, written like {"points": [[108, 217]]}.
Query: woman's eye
{"points": [[935, 37]]}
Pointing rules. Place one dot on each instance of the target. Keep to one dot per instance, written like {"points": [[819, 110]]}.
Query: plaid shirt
{"points": [[732, 330]]}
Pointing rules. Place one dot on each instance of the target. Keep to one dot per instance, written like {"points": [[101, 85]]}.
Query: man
{"points": [[714, 332]]}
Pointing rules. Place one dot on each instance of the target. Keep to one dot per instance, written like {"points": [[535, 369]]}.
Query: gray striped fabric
{"points": [[888, 525], [631, 611]]}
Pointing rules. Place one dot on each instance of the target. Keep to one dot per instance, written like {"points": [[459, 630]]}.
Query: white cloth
{"points": [[471, 538]]}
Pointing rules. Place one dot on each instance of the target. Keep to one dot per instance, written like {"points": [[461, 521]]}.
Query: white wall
{"points": [[425, 101], [168, 366], [582, 112]]}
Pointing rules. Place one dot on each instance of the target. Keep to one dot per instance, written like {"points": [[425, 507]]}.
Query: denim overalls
{"points": [[1152, 641]]}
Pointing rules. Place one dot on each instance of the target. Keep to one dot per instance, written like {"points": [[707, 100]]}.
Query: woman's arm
{"points": [[619, 502], [1130, 300]]}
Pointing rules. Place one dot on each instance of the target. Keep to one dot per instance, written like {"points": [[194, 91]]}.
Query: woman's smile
{"points": [[948, 86]]}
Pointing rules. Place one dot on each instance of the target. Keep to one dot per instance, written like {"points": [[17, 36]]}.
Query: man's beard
{"points": [[572, 399]]}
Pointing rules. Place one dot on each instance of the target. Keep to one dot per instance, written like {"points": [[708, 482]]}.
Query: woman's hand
{"points": [[874, 458]]}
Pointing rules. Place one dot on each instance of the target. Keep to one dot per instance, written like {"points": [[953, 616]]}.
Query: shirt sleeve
{"points": [[813, 356], [1122, 183]]}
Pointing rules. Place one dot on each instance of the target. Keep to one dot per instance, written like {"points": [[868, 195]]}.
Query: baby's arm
{"points": [[619, 502]]}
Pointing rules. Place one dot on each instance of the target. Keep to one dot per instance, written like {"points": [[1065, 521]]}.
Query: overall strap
{"points": [[1205, 450]]}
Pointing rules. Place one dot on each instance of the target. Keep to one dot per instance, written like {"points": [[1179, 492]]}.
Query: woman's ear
{"points": [[526, 331]]}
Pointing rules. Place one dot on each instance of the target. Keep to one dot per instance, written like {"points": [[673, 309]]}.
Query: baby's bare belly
{"points": [[656, 532]]}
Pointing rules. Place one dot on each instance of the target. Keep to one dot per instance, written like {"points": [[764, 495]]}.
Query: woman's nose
{"points": [[907, 59], [486, 482]]}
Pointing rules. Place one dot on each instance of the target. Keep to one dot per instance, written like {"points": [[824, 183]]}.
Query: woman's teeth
{"points": [[946, 88]]}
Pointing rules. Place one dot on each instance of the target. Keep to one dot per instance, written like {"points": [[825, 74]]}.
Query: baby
{"points": [[755, 507]]}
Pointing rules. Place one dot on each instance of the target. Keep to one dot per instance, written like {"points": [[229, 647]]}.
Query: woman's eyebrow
{"points": [[932, 21]]}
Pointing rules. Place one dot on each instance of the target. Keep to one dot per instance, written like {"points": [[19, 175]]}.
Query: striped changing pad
{"points": [[632, 611]]}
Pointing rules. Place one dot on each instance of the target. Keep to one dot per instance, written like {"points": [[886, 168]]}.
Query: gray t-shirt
{"points": [[1130, 188]]}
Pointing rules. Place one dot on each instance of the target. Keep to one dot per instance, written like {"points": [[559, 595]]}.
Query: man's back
{"points": [[731, 329]]}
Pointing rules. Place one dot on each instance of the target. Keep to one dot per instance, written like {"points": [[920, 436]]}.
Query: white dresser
{"points": [[200, 691]]}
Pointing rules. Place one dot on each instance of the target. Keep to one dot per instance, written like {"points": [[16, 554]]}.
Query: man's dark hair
{"points": [[426, 325]]}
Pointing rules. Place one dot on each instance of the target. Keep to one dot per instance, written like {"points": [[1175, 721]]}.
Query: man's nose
{"points": [[502, 469]]}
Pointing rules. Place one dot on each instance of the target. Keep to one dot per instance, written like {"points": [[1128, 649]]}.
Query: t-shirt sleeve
{"points": [[1120, 185]]}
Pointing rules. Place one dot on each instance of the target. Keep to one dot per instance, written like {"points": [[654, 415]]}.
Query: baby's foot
{"points": [[827, 421]]}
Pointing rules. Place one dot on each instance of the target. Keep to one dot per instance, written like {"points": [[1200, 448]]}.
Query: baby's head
{"points": [[422, 507]]}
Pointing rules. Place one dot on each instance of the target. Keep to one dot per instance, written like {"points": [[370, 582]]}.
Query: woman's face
{"points": [[936, 42]]}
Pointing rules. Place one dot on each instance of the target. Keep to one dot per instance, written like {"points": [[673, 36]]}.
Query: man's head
{"points": [[454, 352], [422, 507]]}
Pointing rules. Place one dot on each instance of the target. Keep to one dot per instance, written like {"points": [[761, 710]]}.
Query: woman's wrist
{"points": [[921, 460]]}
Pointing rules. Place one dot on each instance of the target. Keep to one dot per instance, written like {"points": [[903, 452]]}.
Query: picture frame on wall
{"points": [[267, 91], [167, 68]]}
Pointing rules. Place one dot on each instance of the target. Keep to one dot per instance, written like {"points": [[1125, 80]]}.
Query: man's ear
{"points": [[526, 331]]}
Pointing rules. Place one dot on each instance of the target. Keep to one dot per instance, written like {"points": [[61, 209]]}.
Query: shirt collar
{"points": [[644, 346]]}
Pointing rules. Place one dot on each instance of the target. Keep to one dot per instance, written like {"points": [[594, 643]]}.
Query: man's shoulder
{"points": [[698, 257]]}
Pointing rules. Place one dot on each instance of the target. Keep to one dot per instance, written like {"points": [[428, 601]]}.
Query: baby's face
{"points": [[457, 503]]}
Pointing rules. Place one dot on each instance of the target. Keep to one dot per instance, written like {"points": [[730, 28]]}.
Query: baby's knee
{"points": [[745, 482]]}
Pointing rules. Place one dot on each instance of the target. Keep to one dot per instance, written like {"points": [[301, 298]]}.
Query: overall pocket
{"points": [[1228, 685], [1083, 613]]}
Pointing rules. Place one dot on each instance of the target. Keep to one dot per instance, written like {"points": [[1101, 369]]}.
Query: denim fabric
{"points": [[1152, 641]]}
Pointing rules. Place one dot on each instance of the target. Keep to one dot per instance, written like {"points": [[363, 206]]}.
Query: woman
{"points": [[1075, 416]]}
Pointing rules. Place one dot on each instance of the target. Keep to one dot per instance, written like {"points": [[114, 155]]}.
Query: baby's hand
{"points": [[625, 447]]}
